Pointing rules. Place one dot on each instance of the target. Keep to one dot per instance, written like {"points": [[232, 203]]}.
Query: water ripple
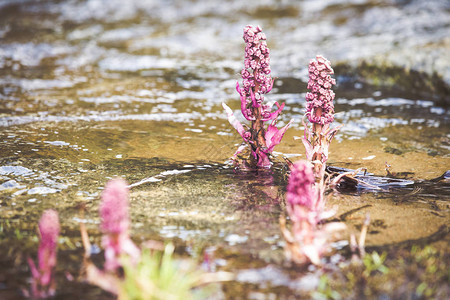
{"points": [[160, 117]]}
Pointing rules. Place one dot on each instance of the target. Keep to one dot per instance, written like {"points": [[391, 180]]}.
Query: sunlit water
{"points": [[91, 90]]}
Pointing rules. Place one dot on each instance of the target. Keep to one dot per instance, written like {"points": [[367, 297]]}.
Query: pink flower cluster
{"points": [[43, 284], [319, 102], [305, 206], [256, 76], [305, 200], [257, 59], [300, 188], [115, 223]]}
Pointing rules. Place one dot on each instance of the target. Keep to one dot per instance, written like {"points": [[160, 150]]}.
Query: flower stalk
{"points": [[256, 81]]}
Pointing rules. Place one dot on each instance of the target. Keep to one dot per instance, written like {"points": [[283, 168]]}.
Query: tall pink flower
{"points": [[43, 284], [256, 78], [115, 223], [320, 112], [256, 82]]}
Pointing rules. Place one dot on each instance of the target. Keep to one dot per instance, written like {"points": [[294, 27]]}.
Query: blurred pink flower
{"points": [[300, 187], [43, 284], [115, 223], [305, 198], [114, 207], [305, 206]]}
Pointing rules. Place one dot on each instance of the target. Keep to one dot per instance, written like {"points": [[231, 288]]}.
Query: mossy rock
{"points": [[406, 82]]}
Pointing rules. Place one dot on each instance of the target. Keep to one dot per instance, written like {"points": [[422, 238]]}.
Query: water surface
{"points": [[91, 90]]}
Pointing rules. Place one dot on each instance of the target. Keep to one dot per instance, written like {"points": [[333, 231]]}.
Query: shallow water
{"points": [[90, 90]]}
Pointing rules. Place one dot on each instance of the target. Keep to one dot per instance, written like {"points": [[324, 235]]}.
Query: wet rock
{"points": [[392, 150], [397, 80]]}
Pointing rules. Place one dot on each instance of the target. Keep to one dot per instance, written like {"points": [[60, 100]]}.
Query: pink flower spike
{"points": [[42, 276], [115, 223], [256, 82], [114, 207], [320, 96], [300, 187], [49, 229]]}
